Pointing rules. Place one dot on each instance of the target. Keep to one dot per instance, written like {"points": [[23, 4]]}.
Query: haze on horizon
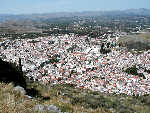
{"points": [[50, 6]]}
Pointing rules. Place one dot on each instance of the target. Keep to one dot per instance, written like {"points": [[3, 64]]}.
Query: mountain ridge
{"points": [[36, 16]]}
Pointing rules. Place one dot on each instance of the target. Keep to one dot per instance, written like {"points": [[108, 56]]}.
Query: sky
{"points": [[50, 6]]}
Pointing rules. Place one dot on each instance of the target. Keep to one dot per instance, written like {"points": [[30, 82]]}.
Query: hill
{"points": [[136, 41], [63, 98], [67, 21], [141, 11]]}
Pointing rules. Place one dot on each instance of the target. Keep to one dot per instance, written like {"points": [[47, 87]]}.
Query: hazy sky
{"points": [[46, 6]]}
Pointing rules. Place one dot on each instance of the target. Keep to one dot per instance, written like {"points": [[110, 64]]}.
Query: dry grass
{"points": [[145, 36], [14, 102], [1, 40], [138, 42], [140, 37], [70, 100]]}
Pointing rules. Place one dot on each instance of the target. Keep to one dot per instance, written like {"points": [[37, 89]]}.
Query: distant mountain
{"points": [[37, 22], [141, 12]]}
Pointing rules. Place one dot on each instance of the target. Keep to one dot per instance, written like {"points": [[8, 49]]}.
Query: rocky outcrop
{"points": [[46, 108]]}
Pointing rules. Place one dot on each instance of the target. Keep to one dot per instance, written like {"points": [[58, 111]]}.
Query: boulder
{"points": [[40, 108], [46, 108], [20, 89], [52, 108]]}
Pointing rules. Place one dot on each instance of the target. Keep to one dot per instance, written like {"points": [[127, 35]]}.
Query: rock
{"points": [[52, 108], [46, 96], [40, 108], [65, 101], [29, 97], [46, 108], [112, 110], [20, 89]]}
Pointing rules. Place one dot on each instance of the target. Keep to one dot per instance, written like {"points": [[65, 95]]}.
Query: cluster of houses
{"points": [[77, 60]]}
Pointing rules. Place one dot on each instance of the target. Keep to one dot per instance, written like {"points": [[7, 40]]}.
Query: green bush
{"points": [[133, 71]]}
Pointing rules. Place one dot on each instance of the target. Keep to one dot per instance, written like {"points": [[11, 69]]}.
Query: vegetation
{"points": [[52, 60], [138, 42], [64, 96], [22, 35], [14, 102], [105, 51], [71, 100], [133, 71], [9, 72], [93, 26]]}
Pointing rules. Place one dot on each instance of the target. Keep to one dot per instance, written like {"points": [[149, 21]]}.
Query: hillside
{"points": [[138, 41], [64, 98], [11, 73], [141, 11], [10, 23]]}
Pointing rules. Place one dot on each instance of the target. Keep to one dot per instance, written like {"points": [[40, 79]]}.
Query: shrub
{"points": [[133, 71], [9, 72]]}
